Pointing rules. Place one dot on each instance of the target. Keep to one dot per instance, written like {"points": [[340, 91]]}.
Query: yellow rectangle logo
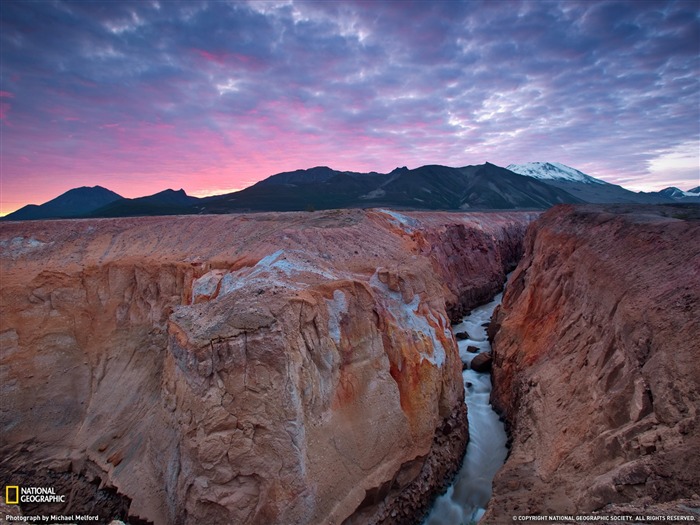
{"points": [[11, 495]]}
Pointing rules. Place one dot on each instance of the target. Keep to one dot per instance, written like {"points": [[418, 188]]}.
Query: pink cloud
{"points": [[218, 58], [4, 110], [226, 57]]}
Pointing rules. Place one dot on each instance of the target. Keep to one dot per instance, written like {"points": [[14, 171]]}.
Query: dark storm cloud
{"points": [[183, 87]]}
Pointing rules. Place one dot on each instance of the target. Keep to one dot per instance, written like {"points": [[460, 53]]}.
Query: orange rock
{"points": [[270, 368], [595, 363]]}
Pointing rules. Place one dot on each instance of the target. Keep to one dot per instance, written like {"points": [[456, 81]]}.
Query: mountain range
{"points": [[534, 185], [590, 189], [74, 203], [679, 194]]}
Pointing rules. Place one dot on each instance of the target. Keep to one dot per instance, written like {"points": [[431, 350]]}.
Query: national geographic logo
{"points": [[15, 495], [11, 495]]}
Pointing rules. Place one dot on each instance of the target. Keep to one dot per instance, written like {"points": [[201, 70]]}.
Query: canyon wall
{"points": [[597, 364], [269, 368]]}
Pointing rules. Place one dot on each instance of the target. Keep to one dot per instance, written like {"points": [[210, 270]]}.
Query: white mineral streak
{"points": [[337, 308], [407, 316], [270, 271], [408, 224], [18, 246]]}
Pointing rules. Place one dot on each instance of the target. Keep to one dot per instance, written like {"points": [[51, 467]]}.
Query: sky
{"points": [[214, 96]]}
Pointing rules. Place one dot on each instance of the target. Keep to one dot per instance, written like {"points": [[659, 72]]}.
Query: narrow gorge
{"points": [[302, 368], [268, 368], [467, 498]]}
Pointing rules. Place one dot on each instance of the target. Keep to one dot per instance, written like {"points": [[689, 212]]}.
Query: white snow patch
{"points": [[337, 308], [553, 171], [407, 317], [677, 193]]}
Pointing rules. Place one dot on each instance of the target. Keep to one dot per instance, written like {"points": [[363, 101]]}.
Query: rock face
{"points": [[596, 363], [271, 368]]}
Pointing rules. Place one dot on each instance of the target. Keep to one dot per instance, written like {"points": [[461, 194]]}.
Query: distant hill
{"points": [[167, 202], [535, 185], [585, 187], [77, 202], [318, 174], [692, 195], [429, 187]]}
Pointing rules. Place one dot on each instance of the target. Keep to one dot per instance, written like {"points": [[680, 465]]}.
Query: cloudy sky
{"points": [[214, 96]]}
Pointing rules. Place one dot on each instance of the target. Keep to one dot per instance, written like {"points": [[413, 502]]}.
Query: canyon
{"points": [[302, 367], [264, 368]]}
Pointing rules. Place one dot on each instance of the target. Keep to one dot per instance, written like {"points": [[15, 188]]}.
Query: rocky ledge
{"points": [[596, 365], [267, 368]]}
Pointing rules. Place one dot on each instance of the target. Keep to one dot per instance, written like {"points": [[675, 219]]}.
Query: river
{"points": [[465, 501]]}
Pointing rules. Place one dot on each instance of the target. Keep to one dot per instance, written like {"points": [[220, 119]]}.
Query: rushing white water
{"points": [[465, 501]]}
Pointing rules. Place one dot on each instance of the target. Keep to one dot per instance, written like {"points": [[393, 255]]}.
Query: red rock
{"points": [[494, 326], [596, 363], [276, 368]]}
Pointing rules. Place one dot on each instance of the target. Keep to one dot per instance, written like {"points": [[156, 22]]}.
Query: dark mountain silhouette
{"points": [[678, 195], [672, 192], [167, 202], [77, 202], [312, 175], [608, 193], [431, 187]]}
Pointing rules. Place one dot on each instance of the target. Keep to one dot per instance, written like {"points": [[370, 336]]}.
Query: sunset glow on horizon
{"points": [[212, 97]]}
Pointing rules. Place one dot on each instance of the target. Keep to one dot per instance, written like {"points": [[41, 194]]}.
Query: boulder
{"points": [[482, 362]]}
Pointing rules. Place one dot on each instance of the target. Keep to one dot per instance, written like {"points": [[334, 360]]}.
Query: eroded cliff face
{"points": [[596, 363], [272, 368]]}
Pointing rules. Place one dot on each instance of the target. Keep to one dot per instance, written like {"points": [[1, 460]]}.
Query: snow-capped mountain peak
{"points": [[673, 192], [677, 193], [553, 171]]}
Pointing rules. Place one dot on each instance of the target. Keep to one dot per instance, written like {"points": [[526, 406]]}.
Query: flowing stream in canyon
{"points": [[465, 500]]}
